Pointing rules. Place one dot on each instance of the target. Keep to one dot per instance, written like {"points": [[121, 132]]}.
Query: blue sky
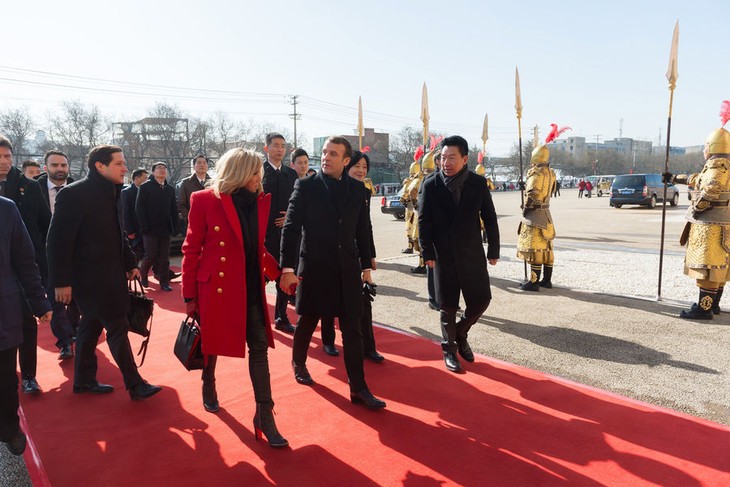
{"points": [[583, 64]]}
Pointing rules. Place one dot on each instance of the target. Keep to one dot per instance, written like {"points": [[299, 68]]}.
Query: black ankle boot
{"points": [[210, 396], [448, 345], [534, 283], [264, 425], [547, 278], [702, 309], [716, 304]]}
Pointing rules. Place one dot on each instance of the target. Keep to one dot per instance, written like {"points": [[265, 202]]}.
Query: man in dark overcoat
{"points": [[26, 193], [329, 213], [450, 205], [20, 287], [278, 181], [129, 215], [90, 261]]}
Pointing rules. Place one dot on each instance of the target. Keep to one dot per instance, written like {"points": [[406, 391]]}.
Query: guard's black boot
{"points": [[264, 425], [547, 277], [462, 330], [448, 345], [702, 310], [534, 283], [716, 304], [210, 396]]}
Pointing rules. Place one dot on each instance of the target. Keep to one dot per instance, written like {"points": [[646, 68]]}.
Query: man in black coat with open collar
{"points": [[450, 206], [278, 181], [26, 193], [90, 261], [328, 211]]}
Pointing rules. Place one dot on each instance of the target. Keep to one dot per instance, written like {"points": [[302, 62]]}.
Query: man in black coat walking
{"points": [[450, 206], [26, 193], [90, 261], [328, 212], [156, 210], [278, 181], [129, 214]]}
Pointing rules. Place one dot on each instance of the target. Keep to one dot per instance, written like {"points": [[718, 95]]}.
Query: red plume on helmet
{"points": [[435, 141], [555, 133], [725, 112], [418, 154], [480, 157], [365, 149]]}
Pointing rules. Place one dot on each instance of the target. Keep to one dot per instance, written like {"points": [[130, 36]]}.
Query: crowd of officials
{"points": [[258, 219]]}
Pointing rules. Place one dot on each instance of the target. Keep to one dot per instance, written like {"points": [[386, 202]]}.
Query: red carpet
{"points": [[498, 424]]}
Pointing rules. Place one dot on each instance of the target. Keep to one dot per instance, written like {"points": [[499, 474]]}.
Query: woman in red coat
{"points": [[224, 262]]}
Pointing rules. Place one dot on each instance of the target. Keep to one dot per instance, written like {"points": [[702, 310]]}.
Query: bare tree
{"points": [[17, 125], [403, 145], [77, 129]]}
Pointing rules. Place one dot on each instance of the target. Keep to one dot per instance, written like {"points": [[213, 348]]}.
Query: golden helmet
{"points": [[480, 170], [369, 185], [428, 163], [718, 142], [540, 154], [415, 169]]}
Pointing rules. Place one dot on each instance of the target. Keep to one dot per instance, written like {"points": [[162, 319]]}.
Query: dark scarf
{"points": [[245, 203], [455, 183]]}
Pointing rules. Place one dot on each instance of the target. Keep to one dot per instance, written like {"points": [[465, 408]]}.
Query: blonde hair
{"points": [[234, 169]]}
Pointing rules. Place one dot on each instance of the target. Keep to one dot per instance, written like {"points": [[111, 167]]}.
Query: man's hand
{"points": [[191, 308], [430, 263], [373, 264], [366, 277], [46, 318], [492, 261], [63, 294], [133, 274], [288, 283], [279, 222]]}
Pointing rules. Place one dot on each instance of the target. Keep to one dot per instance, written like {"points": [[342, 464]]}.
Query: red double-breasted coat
{"points": [[214, 271]]}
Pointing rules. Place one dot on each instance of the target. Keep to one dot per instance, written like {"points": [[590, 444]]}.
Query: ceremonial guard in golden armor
{"points": [[536, 230], [413, 172], [707, 232], [480, 170]]}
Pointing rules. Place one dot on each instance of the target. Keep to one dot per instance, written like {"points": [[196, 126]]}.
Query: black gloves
{"points": [[369, 291]]}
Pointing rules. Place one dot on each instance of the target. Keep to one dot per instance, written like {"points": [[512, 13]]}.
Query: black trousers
{"points": [[157, 254], [431, 287], [9, 402], [85, 365], [327, 326], [28, 350], [282, 299], [61, 324], [351, 344]]}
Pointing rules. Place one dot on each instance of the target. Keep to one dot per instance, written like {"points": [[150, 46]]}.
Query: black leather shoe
{"points": [[530, 286], [421, 269], [17, 444], [452, 363], [301, 374], [165, 287], [173, 275], [465, 350], [143, 390], [408, 250], [285, 326], [144, 281], [434, 306], [30, 386], [67, 352], [374, 356], [366, 398], [95, 388], [331, 350]]}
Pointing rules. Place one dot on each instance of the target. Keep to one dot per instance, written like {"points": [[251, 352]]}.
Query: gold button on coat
{"points": [[220, 291], [222, 244], [223, 259], [217, 228], [220, 274]]}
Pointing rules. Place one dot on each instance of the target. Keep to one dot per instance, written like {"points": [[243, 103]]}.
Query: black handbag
{"points": [[187, 345], [140, 314]]}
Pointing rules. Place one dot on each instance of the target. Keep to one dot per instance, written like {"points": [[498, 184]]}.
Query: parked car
{"points": [[641, 189], [601, 184], [393, 206]]}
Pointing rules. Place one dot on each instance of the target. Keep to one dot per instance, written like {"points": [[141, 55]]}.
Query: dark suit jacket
{"points": [[156, 209], [43, 182], [129, 214], [18, 271], [188, 186], [279, 184], [87, 249], [329, 260], [27, 195], [451, 236]]}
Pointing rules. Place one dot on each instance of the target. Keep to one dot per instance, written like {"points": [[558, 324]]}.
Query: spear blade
{"points": [[424, 112], [485, 129], [672, 73], [360, 127], [518, 95]]}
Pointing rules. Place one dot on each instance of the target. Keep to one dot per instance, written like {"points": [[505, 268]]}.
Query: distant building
{"points": [[673, 151], [380, 169], [575, 146]]}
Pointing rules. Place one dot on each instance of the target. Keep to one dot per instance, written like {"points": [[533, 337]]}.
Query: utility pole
{"points": [[295, 116]]}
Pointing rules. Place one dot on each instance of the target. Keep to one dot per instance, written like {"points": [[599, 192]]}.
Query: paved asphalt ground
{"points": [[600, 325]]}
